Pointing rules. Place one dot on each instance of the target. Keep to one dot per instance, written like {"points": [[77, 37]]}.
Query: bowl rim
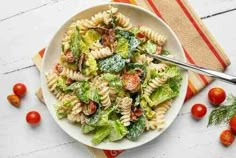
{"points": [[184, 75]]}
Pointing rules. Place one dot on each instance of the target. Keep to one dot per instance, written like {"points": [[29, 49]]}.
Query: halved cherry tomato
{"points": [[216, 96], [140, 35], [232, 124], [227, 137], [19, 89], [198, 111], [33, 117], [13, 100], [131, 81]]}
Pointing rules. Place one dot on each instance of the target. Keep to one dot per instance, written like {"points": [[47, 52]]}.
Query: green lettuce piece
{"points": [[172, 72], [118, 131], [149, 47], [135, 30], [63, 109], [74, 86], [93, 94], [90, 66], [112, 64], [114, 80], [83, 91], [122, 47], [133, 43], [84, 47], [122, 33], [92, 120], [74, 43], [61, 84], [149, 113], [87, 128], [72, 66], [151, 73], [90, 37], [101, 134], [165, 52], [136, 128]]}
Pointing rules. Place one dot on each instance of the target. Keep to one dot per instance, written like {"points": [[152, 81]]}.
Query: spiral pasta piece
{"points": [[161, 111], [143, 59], [125, 106], [101, 53], [154, 36], [151, 125], [123, 21], [52, 78], [154, 84], [69, 73], [76, 114], [96, 46]]}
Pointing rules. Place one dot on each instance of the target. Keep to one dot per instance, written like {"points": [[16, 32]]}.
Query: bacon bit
{"points": [[131, 81], [140, 35], [58, 68], [138, 112], [133, 117], [159, 49], [90, 109], [69, 81], [81, 61]]}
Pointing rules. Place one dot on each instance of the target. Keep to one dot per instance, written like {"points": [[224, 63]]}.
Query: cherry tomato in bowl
{"points": [[227, 137], [216, 96], [33, 117], [198, 111], [19, 89], [232, 124]]}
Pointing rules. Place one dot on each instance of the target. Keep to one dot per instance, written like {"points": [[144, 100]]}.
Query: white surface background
{"points": [[27, 25]]}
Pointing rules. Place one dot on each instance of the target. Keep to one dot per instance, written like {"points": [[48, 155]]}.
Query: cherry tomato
{"points": [[140, 35], [13, 100], [33, 117], [227, 137], [19, 89], [198, 111], [216, 96], [131, 81], [232, 124]]}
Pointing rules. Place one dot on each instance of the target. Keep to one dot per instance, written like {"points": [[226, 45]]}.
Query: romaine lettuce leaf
{"points": [[149, 47], [83, 91], [74, 43], [114, 80], [87, 128], [118, 131], [101, 134], [90, 66], [63, 109], [61, 84], [90, 37], [149, 113], [122, 47], [112, 64], [136, 128]]}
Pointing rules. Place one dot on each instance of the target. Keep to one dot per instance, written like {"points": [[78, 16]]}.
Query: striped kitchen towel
{"points": [[197, 42]]}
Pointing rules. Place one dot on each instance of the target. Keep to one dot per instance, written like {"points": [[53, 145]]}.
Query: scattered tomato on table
{"points": [[33, 117], [19, 89], [14, 100], [227, 137], [232, 124], [216, 96], [198, 111]]}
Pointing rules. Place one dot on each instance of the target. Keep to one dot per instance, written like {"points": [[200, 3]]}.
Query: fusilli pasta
{"points": [[101, 53], [154, 36], [69, 73], [125, 105], [143, 59], [123, 21], [153, 84]]}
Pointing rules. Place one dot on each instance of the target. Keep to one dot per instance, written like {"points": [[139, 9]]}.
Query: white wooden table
{"points": [[28, 25]]}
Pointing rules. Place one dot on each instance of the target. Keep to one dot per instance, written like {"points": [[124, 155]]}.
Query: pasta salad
{"points": [[104, 81]]}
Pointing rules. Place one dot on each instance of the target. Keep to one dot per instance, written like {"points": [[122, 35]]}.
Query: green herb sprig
{"points": [[223, 113]]}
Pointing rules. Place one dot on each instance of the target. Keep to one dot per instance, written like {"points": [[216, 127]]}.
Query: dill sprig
{"points": [[223, 113]]}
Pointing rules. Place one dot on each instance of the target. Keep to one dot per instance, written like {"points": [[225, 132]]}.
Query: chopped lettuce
{"points": [[87, 128], [133, 43], [63, 109], [101, 134], [149, 113], [122, 33], [112, 64], [136, 128], [74, 43], [165, 52], [90, 66], [72, 87], [134, 30], [92, 120], [122, 47], [149, 47], [118, 131], [83, 91], [114, 80], [151, 73], [61, 84], [72, 66], [90, 37]]}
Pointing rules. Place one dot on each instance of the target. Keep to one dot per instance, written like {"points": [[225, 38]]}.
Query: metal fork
{"points": [[201, 70]]}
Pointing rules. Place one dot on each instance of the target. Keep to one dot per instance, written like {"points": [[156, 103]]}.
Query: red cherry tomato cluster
{"points": [[19, 89]]}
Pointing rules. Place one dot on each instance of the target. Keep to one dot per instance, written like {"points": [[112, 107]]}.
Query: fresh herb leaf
{"points": [[223, 113]]}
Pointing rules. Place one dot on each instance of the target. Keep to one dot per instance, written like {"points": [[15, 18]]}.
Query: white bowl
{"points": [[138, 16]]}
